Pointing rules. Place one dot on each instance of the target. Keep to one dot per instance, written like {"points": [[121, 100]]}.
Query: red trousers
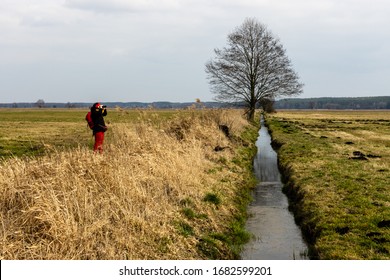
{"points": [[99, 138]]}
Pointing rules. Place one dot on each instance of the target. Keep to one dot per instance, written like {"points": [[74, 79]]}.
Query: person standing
{"points": [[98, 112]]}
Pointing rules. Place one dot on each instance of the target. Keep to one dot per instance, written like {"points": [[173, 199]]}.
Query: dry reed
{"points": [[126, 203]]}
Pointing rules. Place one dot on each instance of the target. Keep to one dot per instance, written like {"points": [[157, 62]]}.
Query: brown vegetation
{"points": [[144, 198]]}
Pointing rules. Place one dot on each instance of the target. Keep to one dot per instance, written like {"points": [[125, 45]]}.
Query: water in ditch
{"points": [[276, 236]]}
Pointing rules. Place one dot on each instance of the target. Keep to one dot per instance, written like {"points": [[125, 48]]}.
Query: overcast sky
{"points": [[156, 50]]}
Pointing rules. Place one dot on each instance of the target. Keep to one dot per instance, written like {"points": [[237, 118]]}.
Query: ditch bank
{"points": [[295, 198]]}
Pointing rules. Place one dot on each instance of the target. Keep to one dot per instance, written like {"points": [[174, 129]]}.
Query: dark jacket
{"points": [[97, 115]]}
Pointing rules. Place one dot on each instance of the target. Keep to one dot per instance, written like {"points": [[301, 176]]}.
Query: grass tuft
{"points": [[212, 198]]}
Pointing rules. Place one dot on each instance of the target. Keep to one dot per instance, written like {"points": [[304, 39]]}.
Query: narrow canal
{"points": [[276, 236]]}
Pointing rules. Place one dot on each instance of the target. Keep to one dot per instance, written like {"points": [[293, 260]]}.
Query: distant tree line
{"points": [[330, 103], [342, 103], [135, 105]]}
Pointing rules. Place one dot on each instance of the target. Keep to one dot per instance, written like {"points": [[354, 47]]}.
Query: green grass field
{"points": [[337, 167]]}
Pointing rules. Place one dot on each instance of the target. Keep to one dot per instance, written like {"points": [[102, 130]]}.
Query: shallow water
{"points": [[276, 236]]}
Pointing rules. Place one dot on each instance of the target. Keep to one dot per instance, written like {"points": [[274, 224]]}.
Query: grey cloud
{"points": [[37, 21], [112, 47], [104, 7], [121, 6]]}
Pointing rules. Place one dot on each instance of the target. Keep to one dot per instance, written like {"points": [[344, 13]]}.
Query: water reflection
{"points": [[276, 236]]}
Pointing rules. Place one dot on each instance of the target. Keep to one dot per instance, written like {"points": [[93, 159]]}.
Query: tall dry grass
{"points": [[126, 203]]}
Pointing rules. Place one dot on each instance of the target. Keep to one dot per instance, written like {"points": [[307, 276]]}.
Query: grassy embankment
{"points": [[170, 185], [337, 167]]}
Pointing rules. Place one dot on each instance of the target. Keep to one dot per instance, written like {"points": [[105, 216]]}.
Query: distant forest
{"points": [[136, 105], [351, 103], [330, 103]]}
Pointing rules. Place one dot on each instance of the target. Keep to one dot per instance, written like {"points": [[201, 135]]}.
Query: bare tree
{"points": [[252, 67], [40, 103]]}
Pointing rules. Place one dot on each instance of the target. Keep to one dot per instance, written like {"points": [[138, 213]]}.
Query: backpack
{"points": [[89, 120]]}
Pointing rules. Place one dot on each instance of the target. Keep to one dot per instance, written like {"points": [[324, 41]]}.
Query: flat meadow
{"points": [[29, 132], [336, 166], [171, 184]]}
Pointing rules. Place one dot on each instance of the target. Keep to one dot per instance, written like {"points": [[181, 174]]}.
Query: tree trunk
{"points": [[251, 112]]}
